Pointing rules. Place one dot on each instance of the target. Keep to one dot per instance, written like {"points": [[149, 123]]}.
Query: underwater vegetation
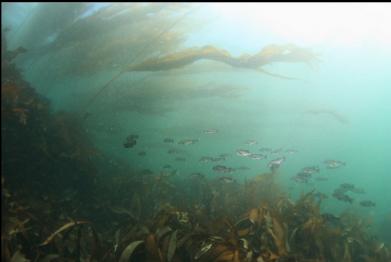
{"points": [[114, 32], [126, 40], [65, 200], [268, 55], [142, 216]]}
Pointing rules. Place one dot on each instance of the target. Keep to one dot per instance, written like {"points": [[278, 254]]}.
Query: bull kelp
{"points": [[194, 132]]}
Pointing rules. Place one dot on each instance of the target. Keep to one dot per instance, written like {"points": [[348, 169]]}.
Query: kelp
{"points": [[140, 53], [264, 233], [268, 55], [30, 127], [141, 216], [61, 229], [119, 33], [128, 251]]}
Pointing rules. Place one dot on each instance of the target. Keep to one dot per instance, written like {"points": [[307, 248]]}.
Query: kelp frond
{"points": [[268, 55]]}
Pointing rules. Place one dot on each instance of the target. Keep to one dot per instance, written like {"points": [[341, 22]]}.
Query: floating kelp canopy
{"points": [[268, 55]]}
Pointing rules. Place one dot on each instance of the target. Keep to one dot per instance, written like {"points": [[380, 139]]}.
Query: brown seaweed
{"points": [[61, 229], [134, 216], [269, 54]]}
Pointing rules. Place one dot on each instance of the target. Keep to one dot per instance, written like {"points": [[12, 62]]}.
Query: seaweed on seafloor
{"points": [[266, 233]]}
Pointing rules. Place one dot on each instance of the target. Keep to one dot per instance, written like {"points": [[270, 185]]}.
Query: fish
{"points": [[210, 131], [276, 151], [275, 163], [265, 149], [223, 169], [168, 140], [350, 187], [320, 196], [182, 159], [188, 141], [173, 151], [331, 219], [206, 159], [302, 177], [129, 144], [257, 156], [242, 168], [170, 173], [227, 179], [299, 180], [132, 137], [167, 166], [130, 141], [346, 186], [343, 197], [367, 203], [291, 151], [217, 159], [331, 164], [197, 175], [310, 169], [251, 142], [243, 152], [340, 191], [142, 153]]}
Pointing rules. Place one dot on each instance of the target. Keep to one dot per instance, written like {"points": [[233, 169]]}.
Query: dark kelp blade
{"points": [[172, 246], [128, 251], [161, 232], [61, 229], [152, 248], [19, 257]]}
